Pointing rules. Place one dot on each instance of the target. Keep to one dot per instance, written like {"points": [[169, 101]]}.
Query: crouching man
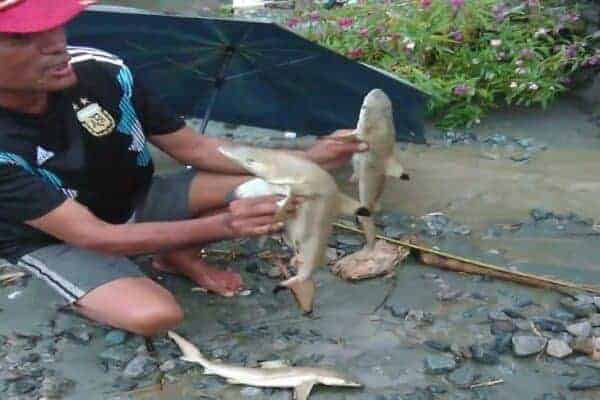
{"points": [[78, 192]]}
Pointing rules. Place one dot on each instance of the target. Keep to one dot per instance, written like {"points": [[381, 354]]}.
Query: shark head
{"points": [[376, 106], [334, 378], [252, 159]]}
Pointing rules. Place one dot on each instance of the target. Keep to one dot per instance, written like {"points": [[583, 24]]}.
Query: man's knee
{"points": [[138, 305], [154, 318]]}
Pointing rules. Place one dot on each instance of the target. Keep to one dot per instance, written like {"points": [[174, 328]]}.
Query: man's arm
{"points": [[200, 151], [75, 224]]}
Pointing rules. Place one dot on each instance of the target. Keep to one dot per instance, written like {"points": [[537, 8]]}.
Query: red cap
{"points": [[29, 16]]}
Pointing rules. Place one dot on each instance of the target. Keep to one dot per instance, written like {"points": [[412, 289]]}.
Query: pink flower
{"points": [[461, 90], [346, 22], [314, 17], [355, 53], [456, 36], [457, 4], [426, 3], [293, 22], [364, 32], [571, 51], [500, 12], [593, 61]]}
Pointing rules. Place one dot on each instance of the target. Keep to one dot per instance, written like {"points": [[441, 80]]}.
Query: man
{"points": [[77, 191]]}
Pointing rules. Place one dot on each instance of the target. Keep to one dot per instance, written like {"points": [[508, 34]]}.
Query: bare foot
{"points": [[213, 279]]}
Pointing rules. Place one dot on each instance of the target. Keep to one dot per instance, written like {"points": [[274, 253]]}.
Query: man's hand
{"points": [[335, 150], [255, 216]]}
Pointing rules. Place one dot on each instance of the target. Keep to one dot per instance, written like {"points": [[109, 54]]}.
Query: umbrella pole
{"points": [[219, 80]]}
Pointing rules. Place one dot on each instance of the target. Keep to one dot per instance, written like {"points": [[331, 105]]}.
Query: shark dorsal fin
{"points": [[190, 352], [393, 167], [302, 391]]}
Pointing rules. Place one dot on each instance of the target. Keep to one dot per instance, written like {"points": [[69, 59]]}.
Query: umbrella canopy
{"points": [[245, 72]]}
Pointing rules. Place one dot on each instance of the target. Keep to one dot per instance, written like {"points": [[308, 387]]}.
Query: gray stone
{"points": [[168, 365], [55, 387], [558, 348], [463, 377], [595, 320], [580, 329], [524, 346], [585, 383], [582, 307], [562, 315], [499, 327], [140, 367], [498, 316], [549, 325], [250, 391], [115, 337], [439, 364], [485, 354], [117, 355], [503, 342]]}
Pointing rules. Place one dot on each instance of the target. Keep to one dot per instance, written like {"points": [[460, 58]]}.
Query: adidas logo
{"points": [[43, 155]]}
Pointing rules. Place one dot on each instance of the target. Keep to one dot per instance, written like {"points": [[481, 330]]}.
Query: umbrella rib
{"points": [[284, 64]]}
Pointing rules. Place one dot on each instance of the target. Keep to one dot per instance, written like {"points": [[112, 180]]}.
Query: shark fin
{"points": [[302, 391], [347, 205], [208, 371], [232, 381], [393, 168], [304, 292]]}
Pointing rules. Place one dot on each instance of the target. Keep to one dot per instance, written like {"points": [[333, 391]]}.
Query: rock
{"points": [[250, 391], [503, 342], [589, 346], [596, 300], [140, 367], [463, 377], [22, 386], [582, 307], [115, 337], [448, 295], [562, 315], [117, 355], [419, 316], [585, 383], [514, 313], [558, 348], [540, 214], [524, 346], [580, 329], [350, 240], [437, 345], [499, 327], [55, 387], [79, 335], [168, 365], [439, 364], [551, 396], [397, 311], [549, 325], [498, 316], [485, 354], [595, 320]]}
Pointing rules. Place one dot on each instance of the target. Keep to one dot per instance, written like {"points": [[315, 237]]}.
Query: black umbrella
{"points": [[245, 72]]}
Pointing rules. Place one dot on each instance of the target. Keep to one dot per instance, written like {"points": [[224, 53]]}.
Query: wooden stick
{"points": [[486, 384], [460, 264]]}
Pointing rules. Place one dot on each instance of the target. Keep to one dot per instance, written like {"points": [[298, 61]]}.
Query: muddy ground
{"points": [[486, 189]]}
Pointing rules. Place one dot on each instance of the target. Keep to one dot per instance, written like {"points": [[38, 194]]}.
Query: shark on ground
{"points": [[300, 379]]}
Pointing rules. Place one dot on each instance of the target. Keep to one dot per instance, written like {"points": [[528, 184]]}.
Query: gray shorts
{"points": [[73, 271]]}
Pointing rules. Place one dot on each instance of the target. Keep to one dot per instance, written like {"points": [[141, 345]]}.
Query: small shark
{"points": [[301, 379], [309, 230], [375, 127]]}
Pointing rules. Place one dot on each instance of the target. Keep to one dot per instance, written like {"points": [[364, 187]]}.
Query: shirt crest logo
{"points": [[43, 155], [95, 119]]}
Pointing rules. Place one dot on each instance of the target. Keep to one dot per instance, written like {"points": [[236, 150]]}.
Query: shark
{"points": [[307, 232], [376, 128], [272, 375]]}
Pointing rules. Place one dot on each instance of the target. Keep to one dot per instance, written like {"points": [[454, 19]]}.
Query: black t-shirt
{"points": [[90, 146]]}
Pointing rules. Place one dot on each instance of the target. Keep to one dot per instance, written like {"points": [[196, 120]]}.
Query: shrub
{"points": [[468, 55]]}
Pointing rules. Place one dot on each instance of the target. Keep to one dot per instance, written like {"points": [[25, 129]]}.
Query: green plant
{"points": [[468, 55]]}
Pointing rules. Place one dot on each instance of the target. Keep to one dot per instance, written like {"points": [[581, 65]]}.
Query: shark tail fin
{"points": [[190, 352], [394, 169], [302, 391], [304, 292]]}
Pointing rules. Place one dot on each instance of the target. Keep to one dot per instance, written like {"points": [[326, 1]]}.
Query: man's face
{"points": [[35, 62]]}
